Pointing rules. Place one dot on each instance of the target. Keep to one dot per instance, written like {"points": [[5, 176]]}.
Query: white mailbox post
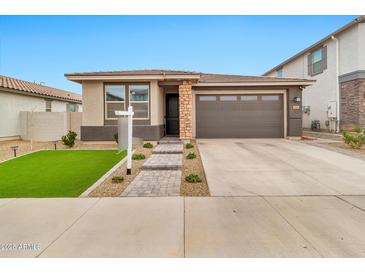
{"points": [[125, 136]]}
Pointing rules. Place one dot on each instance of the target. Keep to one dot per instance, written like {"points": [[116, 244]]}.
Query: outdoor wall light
{"points": [[296, 99], [14, 148]]}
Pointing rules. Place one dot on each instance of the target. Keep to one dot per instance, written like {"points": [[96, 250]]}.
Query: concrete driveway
{"points": [[272, 167]]}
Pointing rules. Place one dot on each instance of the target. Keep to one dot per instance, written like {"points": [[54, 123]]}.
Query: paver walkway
{"points": [[161, 173]]}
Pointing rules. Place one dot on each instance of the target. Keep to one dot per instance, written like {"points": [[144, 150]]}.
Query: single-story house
{"points": [[190, 104], [17, 96]]}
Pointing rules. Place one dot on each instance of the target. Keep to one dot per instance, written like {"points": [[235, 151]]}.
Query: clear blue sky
{"points": [[43, 48]]}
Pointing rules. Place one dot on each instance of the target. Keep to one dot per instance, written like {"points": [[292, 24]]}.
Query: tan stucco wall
{"points": [[157, 99], [48, 126], [93, 103]]}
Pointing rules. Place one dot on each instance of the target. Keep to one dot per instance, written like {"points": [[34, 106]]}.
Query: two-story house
{"points": [[337, 63]]}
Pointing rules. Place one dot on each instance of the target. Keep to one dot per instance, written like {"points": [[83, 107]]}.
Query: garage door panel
{"points": [[249, 116]]}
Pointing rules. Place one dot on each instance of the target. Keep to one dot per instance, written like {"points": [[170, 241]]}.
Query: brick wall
{"points": [[352, 112], [186, 109]]}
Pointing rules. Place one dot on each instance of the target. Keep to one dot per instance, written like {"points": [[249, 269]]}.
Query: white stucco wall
{"points": [[11, 104], [361, 46], [317, 96]]}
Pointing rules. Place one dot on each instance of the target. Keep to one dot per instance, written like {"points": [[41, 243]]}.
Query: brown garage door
{"points": [[239, 116]]}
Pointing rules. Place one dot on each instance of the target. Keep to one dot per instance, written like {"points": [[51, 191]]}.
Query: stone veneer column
{"points": [[186, 109]]}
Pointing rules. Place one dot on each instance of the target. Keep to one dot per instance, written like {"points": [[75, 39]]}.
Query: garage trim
{"points": [[228, 92]]}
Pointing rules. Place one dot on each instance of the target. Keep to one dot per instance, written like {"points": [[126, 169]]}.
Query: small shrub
{"points": [[148, 145], [191, 155], [138, 157], [69, 138], [115, 136], [193, 178], [117, 179], [189, 145], [354, 140]]}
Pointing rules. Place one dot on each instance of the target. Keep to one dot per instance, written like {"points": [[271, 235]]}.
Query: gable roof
{"points": [[359, 19], [37, 89], [202, 78]]}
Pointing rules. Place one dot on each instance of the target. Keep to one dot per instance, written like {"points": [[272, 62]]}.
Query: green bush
{"points": [[191, 155], [193, 178], [117, 179], [69, 138], [189, 145], [148, 145], [115, 137], [138, 157], [354, 140]]}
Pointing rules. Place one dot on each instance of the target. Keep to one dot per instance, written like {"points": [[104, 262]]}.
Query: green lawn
{"points": [[61, 173]]}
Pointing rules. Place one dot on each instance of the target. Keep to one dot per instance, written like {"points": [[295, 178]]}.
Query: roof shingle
{"points": [[21, 85]]}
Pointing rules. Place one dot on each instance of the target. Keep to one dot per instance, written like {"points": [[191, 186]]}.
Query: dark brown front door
{"points": [[172, 114]]}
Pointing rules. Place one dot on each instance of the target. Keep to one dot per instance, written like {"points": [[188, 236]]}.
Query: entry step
{"points": [[168, 149], [170, 140], [163, 162]]}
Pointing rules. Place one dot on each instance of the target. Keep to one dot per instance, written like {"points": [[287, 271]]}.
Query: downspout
{"points": [[337, 84]]}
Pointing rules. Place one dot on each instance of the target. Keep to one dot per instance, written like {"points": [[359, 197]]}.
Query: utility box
{"points": [[332, 109]]}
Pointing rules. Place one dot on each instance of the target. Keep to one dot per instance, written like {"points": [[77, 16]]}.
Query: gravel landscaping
{"points": [[115, 189], [193, 166]]}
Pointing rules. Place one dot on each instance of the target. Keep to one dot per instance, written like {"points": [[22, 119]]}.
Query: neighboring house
{"points": [[337, 63], [18, 95], [190, 104]]}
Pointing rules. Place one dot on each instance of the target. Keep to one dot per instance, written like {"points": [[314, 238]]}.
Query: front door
{"points": [[172, 114]]}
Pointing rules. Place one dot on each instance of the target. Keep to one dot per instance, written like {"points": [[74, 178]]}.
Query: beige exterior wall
{"points": [[157, 100], [317, 96], [92, 103], [49, 126], [11, 104]]}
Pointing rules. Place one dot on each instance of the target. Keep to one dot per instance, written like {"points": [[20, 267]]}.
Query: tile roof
{"points": [[204, 77], [37, 89]]}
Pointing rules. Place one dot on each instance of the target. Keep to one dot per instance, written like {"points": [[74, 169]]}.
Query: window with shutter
{"points": [[317, 61]]}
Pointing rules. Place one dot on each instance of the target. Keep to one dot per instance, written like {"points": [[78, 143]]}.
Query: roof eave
{"points": [[317, 44], [258, 83], [41, 95], [80, 78]]}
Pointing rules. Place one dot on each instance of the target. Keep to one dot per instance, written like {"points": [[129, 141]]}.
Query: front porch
{"points": [[178, 109]]}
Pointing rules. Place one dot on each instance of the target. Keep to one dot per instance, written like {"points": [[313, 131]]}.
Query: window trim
{"points": [[127, 97], [45, 107], [68, 107], [323, 61], [140, 102], [113, 102]]}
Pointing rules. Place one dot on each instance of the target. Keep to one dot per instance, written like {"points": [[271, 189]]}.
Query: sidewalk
{"points": [[301, 226]]}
